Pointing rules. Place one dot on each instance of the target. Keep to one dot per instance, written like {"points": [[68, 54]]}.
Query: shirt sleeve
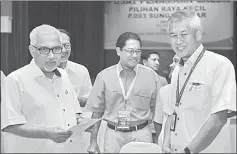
{"points": [[96, 100], [11, 105], [86, 87], [224, 88], [158, 117], [155, 96]]}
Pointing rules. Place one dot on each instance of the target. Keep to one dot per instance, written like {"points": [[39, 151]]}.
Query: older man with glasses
{"points": [[125, 94], [39, 104]]}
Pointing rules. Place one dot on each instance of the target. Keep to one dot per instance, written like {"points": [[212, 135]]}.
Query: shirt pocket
{"points": [[195, 95], [141, 99]]}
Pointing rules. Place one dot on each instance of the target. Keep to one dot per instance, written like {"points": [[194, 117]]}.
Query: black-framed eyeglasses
{"points": [[131, 51], [67, 46], [46, 50]]}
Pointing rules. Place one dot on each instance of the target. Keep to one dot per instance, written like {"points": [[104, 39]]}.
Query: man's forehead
{"points": [[131, 43], [153, 55], [179, 26], [47, 33], [44, 37]]}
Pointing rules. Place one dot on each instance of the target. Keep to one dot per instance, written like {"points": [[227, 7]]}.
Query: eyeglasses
{"points": [[131, 51], [46, 51], [183, 36], [67, 46]]}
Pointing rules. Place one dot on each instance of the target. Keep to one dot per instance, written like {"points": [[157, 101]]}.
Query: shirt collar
{"points": [[195, 55], [37, 72], [120, 68]]}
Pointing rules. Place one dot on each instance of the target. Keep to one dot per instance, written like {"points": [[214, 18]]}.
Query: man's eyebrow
{"points": [[184, 31]]}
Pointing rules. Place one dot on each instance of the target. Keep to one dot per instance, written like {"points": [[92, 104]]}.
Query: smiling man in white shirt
{"points": [[198, 111], [78, 74], [39, 104]]}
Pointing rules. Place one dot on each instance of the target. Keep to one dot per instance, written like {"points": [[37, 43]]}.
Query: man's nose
{"points": [[64, 50], [180, 39], [135, 54], [51, 55]]}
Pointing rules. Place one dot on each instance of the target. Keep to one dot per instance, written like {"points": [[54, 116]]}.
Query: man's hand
{"points": [[58, 134], [93, 148]]}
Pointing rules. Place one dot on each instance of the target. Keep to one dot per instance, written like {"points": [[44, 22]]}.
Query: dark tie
{"points": [[181, 62]]}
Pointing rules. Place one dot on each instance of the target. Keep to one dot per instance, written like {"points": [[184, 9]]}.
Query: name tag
{"points": [[123, 120], [173, 121]]}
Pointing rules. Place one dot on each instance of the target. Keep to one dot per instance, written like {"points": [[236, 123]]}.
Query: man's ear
{"points": [[199, 35], [118, 51], [32, 51]]}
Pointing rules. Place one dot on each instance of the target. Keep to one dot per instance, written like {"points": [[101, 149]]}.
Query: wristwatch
{"points": [[186, 149]]}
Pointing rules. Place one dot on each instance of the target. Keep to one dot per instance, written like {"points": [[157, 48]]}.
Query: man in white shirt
{"points": [[197, 121], [80, 79], [78, 74], [39, 104]]}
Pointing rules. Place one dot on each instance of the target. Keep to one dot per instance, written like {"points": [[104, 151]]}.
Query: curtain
{"points": [[14, 46]]}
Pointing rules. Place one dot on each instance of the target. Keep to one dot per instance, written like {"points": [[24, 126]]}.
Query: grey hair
{"points": [[195, 21], [34, 33]]}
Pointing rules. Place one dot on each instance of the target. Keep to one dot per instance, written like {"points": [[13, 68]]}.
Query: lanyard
{"points": [[179, 95], [121, 84]]}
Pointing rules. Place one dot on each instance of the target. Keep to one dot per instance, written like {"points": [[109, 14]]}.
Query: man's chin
{"points": [[132, 64]]}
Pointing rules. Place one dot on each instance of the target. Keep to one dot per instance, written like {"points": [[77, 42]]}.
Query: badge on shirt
{"points": [[173, 121], [123, 120]]}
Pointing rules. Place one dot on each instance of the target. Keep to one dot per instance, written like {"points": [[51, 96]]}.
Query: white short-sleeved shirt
{"points": [[211, 88], [30, 97], [80, 79], [160, 116]]}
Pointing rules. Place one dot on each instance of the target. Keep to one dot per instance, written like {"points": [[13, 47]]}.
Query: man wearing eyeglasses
{"points": [[125, 94], [39, 104], [78, 74], [80, 79]]}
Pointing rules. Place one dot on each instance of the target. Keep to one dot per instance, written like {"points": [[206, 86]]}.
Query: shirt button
{"points": [[175, 149], [176, 134], [64, 110], [70, 140], [184, 73], [68, 124], [57, 95], [178, 118]]}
